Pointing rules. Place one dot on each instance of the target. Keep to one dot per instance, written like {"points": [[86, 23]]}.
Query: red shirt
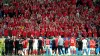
{"points": [[5, 32], [0, 1], [84, 33], [56, 41], [65, 14], [66, 43], [42, 42], [47, 42], [37, 33], [65, 34], [14, 32], [48, 33], [56, 33], [95, 33], [72, 42], [29, 34], [43, 32], [24, 33], [73, 2], [6, 11], [25, 43], [20, 32], [61, 33], [92, 44], [32, 33], [89, 33], [51, 33]]}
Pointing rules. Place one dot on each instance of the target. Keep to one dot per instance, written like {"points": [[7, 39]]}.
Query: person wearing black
{"points": [[40, 45], [53, 46], [30, 45], [79, 43], [97, 51], [20, 52], [16, 46], [11, 46], [7, 46]]}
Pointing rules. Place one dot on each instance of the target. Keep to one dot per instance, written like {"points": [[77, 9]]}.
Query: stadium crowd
{"points": [[45, 19]]}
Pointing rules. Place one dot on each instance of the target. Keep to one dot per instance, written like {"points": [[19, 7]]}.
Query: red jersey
{"points": [[37, 33], [24, 33], [29, 34], [32, 33], [65, 34], [84, 33], [43, 32], [56, 41], [72, 42], [5, 32], [51, 33], [92, 44], [66, 43], [95, 33], [42, 42], [14, 32], [25, 43], [47, 42], [89, 33]]}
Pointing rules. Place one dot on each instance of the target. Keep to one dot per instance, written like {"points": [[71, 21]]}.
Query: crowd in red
{"points": [[50, 18]]}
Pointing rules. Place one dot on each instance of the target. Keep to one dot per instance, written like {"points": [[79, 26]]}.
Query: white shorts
{"points": [[48, 46], [84, 47], [35, 47], [93, 49], [72, 47], [25, 49]]}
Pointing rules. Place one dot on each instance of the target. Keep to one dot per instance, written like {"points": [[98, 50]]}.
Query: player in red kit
{"points": [[66, 45], [47, 42], [92, 46], [25, 46], [72, 45]]}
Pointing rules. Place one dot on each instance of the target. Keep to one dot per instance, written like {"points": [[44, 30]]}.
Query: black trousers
{"points": [[40, 48], [60, 49], [30, 49], [11, 50], [66, 50], [6, 50], [16, 50]]}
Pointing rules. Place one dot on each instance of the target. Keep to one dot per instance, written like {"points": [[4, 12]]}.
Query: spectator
{"points": [[37, 18]]}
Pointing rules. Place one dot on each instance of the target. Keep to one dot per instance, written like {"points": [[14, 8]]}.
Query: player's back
{"points": [[84, 42]]}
